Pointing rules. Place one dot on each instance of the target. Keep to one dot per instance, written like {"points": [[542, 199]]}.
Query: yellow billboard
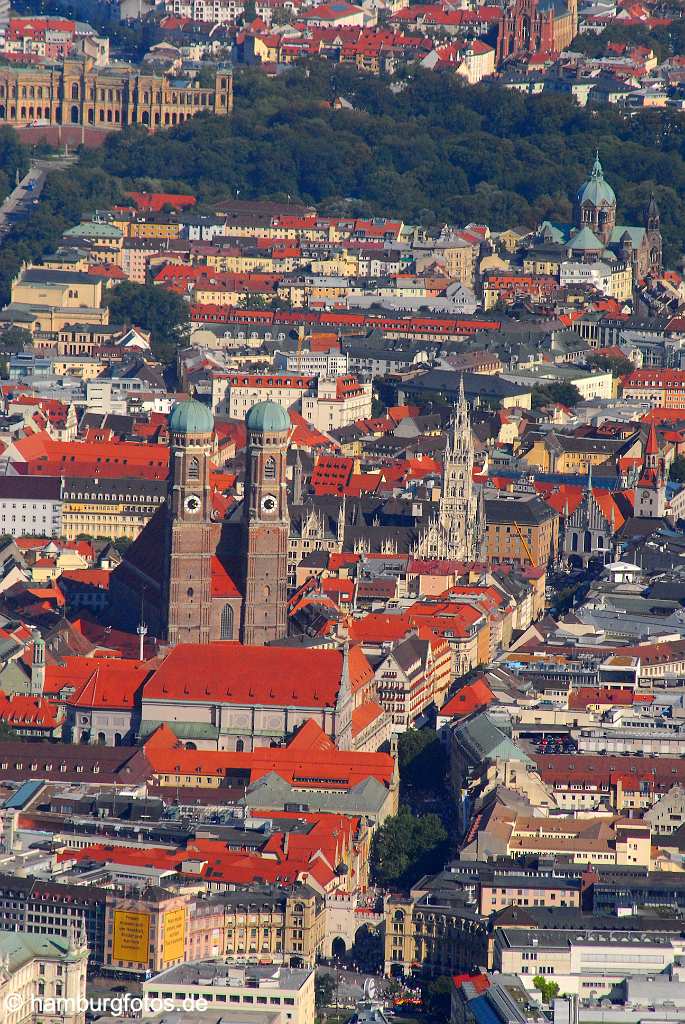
{"points": [[131, 936], [174, 935]]}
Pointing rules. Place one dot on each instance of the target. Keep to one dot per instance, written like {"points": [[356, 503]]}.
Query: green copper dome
{"points": [[191, 417], [267, 417], [596, 190]]}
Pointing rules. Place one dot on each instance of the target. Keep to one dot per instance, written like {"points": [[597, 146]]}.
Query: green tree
{"points": [[549, 990], [676, 471], [406, 847], [163, 313], [616, 364], [554, 392], [437, 996], [254, 300], [422, 760], [207, 76], [325, 988], [9, 734], [15, 339]]}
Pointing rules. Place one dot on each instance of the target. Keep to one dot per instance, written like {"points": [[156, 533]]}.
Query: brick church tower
{"points": [[188, 583], [266, 525]]}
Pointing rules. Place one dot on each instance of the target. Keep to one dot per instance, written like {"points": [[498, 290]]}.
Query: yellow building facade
{"points": [[79, 93]]}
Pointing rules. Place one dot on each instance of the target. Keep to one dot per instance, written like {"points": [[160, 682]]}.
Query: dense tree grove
{"points": [[550, 394], [425, 147], [406, 847], [162, 312], [422, 760]]}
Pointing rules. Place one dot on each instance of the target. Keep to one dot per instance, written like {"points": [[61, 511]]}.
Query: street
{"points": [[350, 984], [21, 200]]}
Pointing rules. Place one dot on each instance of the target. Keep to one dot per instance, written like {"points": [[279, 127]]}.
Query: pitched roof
{"points": [[233, 673], [468, 699], [111, 683]]}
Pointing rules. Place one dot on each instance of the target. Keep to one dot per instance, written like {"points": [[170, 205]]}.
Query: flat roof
{"points": [[219, 974]]}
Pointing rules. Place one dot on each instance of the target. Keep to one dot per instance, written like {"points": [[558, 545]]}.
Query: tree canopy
{"points": [[324, 990], [616, 364], [548, 989], [676, 470], [550, 394], [437, 998], [406, 847], [155, 309], [422, 760]]}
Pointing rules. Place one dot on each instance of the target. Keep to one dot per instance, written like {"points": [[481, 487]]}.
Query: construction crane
{"points": [[524, 544]]}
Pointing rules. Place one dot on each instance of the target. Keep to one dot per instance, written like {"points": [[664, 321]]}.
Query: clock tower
{"points": [[266, 526], [188, 583]]}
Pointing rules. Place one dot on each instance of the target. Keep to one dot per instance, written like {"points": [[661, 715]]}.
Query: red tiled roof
{"points": [[468, 699], [579, 699], [156, 201], [364, 715], [21, 711], [111, 683], [241, 674]]}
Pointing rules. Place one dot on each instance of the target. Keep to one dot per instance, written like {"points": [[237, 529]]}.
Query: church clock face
{"points": [[269, 503], [192, 503]]}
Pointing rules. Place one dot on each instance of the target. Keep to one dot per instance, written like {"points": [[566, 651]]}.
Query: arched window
{"points": [[574, 542], [194, 469], [239, 746], [226, 632], [74, 91], [587, 541], [270, 468]]}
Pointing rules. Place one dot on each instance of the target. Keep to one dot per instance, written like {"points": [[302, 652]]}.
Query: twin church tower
{"points": [[194, 577]]}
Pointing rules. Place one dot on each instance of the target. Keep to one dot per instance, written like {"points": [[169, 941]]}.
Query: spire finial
{"points": [[597, 171]]}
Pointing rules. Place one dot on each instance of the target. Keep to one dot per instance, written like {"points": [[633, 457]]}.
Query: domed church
{"points": [[193, 578], [595, 235]]}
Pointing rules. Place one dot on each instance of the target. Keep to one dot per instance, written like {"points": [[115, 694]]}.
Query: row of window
{"points": [[222, 997]]}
